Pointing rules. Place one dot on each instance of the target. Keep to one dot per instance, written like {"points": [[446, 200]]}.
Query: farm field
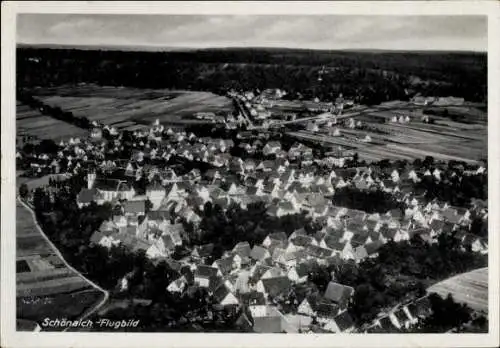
{"points": [[32, 122], [129, 108], [470, 288], [444, 140], [44, 285]]}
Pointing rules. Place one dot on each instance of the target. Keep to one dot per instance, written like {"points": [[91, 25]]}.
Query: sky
{"points": [[455, 33]]}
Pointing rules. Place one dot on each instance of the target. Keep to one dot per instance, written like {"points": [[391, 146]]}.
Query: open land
{"points": [[33, 123], [470, 288], [45, 286], [129, 108]]}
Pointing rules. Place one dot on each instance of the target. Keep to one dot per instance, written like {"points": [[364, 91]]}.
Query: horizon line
{"points": [[180, 48]]}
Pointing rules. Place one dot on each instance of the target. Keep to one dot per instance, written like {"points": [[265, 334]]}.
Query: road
{"points": [[244, 112], [361, 112], [58, 253]]}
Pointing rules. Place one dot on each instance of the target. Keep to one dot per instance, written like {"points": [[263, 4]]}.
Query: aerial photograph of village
{"points": [[251, 174]]}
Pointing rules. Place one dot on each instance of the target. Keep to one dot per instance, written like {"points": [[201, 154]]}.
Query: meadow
{"points": [[45, 287]]}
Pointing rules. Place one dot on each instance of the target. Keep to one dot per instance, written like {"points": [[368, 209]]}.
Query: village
{"points": [[174, 176]]}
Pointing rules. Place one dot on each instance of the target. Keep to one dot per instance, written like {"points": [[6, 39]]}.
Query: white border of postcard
{"points": [[11, 338]]}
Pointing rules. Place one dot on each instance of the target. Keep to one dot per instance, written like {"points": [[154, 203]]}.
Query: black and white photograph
{"points": [[266, 173]]}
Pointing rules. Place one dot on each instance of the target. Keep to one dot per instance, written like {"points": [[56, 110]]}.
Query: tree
{"points": [[23, 191], [148, 205], [48, 146]]}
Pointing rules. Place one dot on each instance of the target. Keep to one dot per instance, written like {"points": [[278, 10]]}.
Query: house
{"points": [[360, 253], [300, 242], [155, 193], [178, 285], [203, 274], [299, 273], [477, 244], [241, 253], [272, 272], [372, 248], [203, 251], [224, 265], [272, 322], [125, 191], [272, 147], [276, 236], [259, 253], [318, 253], [104, 239], [451, 215], [342, 323], [134, 207], [341, 248], [256, 304], [338, 293], [400, 318], [420, 308], [224, 296], [274, 286]]}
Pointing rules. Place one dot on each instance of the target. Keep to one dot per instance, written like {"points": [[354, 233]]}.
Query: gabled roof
{"points": [[203, 271], [338, 293], [318, 252], [214, 282], [259, 253], [448, 227], [373, 247], [268, 324], [168, 242], [204, 250], [344, 321], [277, 285], [134, 207], [221, 292], [303, 269], [159, 215], [281, 236], [255, 298], [242, 249], [225, 264], [302, 241], [258, 272], [388, 233], [359, 239]]}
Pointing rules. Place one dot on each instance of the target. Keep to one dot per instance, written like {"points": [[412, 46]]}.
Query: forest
{"points": [[368, 77]]}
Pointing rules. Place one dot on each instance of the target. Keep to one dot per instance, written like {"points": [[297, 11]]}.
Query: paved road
{"points": [[58, 253]]}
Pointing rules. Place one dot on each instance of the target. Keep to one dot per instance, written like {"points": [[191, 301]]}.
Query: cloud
{"points": [[308, 31]]}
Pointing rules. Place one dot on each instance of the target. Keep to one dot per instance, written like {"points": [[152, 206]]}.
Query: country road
{"points": [[97, 306]]}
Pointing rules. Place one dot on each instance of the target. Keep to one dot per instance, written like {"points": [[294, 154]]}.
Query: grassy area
{"points": [[124, 107], [64, 305], [470, 288], [45, 286]]}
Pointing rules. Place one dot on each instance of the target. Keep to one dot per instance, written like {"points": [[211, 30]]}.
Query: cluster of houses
{"points": [[259, 276]]}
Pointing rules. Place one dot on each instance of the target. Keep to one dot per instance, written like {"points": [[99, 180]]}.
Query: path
{"points": [[96, 307]]}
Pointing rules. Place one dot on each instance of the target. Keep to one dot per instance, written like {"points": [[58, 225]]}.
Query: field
{"points": [[32, 122], [129, 108], [45, 286], [444, 139], [470, 288]]}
